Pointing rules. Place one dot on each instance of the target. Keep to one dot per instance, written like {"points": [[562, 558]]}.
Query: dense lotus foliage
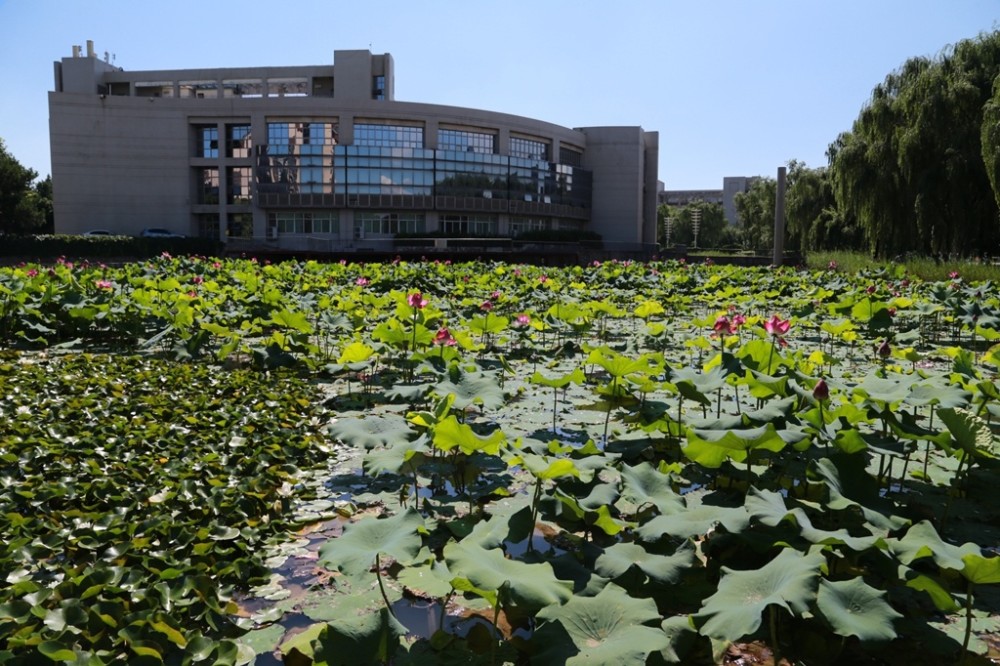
{"points": [[212, 461]]}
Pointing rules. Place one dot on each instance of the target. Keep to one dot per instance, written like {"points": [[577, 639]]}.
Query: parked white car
{"points": [[155, 232]]}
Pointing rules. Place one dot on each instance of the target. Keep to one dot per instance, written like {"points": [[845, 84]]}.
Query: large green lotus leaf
{"points": [[854, 608], [939, 594], [695, 521], [616, 560], [605, 629], [711, 448], [397, 458], [354, 552], [575, 377], [294, 320], [371, 431], [734, 611], [356, 352], [981, 570], [370, 638], [472, 388], [850, 486], [501, 527], [532, 586], [970, 431], [645, 485], [427, 580], [595, 513], [885, 390], [767, 506], [601, 495], [449, 433], [922, 540], [705, 383], [938, 393], [617, 365]]}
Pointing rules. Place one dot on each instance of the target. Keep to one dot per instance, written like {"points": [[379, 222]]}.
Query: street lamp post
{"points": [[695, 225]]}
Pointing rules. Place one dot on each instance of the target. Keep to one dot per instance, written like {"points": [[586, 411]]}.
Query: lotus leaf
{"points": [[532, 586], [789, 580], [363, 541], [609, 628], [854, 608], [619, 558]]}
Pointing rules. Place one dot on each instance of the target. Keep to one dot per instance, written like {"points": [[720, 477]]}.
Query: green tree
{"points": [[21, 207], [812, 219], [711, 229], [915, 169], [755, 208]]}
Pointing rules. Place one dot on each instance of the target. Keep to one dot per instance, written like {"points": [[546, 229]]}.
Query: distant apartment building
{"points": [[293, 155], [731, 186]]}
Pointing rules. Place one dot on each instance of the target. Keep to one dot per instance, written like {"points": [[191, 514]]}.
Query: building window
{"points": [[469, 225], [570, 156], [294, 87], [304, 222], [466, 141], [240, 225], [387, 225], [198, 89], [207, 139], [522, 225], [207, 225], [528, 149], [238, 141], [208, 186], [388, 136], [239, 185], [285, 137], [378, 87], [243, 88]]}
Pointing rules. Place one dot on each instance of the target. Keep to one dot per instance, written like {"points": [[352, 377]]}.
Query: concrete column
{"points": [[779, 219]]}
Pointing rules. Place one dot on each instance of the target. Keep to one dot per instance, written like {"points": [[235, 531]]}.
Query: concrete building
{"points": [[323, 156]]}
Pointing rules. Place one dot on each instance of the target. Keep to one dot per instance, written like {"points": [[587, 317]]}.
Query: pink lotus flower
{"points": [[104, 284], [522, 320], [197, 279], [216, 265], [486, 306], [737, 321], [832, 266], [723, 325], [444, 337], [362, 282], [953, 275], [776, 326], [884, 350], [32, 272], [821, 391], [416, 301]]}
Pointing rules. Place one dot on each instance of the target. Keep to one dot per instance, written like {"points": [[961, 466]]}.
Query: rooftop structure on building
{"points": [[324, 157]]}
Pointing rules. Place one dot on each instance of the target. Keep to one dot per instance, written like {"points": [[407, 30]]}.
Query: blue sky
{"points": [[733, 87]]}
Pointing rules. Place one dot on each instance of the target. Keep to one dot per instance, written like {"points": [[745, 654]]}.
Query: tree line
{"points": [[918, 172], [25, 201]]}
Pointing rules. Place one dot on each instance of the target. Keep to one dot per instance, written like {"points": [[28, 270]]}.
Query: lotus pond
{"points": [[221, 462]]}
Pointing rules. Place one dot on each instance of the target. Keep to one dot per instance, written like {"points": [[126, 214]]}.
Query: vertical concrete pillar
{"points": [[779, 219]]}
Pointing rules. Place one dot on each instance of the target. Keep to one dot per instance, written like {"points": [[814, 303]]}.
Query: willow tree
{"points": [[911, 170]]}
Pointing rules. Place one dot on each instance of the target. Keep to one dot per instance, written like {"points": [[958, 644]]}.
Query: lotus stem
{"points": [[775, 648], [381, 587], [968, 623]]}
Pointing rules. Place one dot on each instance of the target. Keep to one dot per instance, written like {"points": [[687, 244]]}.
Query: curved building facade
{"points": [[324, 157]]}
